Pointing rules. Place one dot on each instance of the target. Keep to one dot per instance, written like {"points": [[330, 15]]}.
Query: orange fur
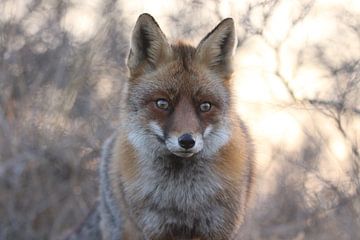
{"points": [[179, 171]]}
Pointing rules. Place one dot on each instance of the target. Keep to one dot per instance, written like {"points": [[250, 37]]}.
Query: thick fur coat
{"points": [[180, 166]]}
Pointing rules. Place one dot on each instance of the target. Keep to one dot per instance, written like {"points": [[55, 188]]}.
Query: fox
{"points": [[180, 164]]}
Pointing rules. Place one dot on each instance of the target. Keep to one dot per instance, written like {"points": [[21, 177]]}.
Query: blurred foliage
{"points": [[62, 70]]}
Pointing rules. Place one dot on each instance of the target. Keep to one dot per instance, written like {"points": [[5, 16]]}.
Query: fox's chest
{"points": [[179, 191], [185, 204]]}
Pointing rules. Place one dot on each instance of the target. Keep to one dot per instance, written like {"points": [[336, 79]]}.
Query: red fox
{"points": [[181, 164]]}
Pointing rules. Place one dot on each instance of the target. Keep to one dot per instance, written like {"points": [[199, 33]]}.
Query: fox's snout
{"points": [[186, 141], [185, 144]]}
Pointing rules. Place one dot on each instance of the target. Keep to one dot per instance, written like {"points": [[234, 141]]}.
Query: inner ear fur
{"points": [[216, 49], [149, 46]]}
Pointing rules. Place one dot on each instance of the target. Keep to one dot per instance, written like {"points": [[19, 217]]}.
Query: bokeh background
{"points": [[297, 82]]}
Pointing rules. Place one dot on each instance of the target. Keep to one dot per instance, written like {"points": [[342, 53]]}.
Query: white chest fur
{"points": [[180, 196]]}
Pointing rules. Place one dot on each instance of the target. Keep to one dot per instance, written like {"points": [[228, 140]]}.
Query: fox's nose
{"points": [[186, 141]]}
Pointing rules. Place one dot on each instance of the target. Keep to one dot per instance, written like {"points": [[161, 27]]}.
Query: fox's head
{"points": [[178, 95]]}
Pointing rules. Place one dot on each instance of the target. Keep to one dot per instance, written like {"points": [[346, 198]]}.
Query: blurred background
{"points": [[297, 82]]}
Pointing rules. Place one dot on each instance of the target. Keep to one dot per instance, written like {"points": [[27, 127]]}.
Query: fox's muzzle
{"points": [[184, 145], [186, 141]]}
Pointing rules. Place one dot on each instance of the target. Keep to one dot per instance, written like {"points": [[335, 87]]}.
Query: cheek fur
{"points": [[159, 116], [155, 114], [211, 117]]}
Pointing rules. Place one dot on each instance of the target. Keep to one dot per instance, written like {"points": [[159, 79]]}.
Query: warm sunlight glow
{"points": [[81, 23], [104, 87], [13, 10], [64, 90]]}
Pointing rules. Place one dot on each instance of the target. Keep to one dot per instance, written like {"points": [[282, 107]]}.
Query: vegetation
{"points": [[62, 70]]}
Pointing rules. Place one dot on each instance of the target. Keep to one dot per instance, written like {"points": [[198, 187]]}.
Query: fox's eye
{"points": [[162, 104], [205, 107]]}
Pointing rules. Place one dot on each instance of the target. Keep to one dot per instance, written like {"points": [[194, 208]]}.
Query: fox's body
{"points": [[180, 165]]}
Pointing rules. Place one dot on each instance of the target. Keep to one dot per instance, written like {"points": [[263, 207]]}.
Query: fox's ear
{"points": [[216, 49], [148, 46]]}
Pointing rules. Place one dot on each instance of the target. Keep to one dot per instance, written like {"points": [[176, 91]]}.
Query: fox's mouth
{"points": [[185, 154]]}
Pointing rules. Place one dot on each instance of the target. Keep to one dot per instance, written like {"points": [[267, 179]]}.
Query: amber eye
{"points": [[162, 104], [205, 107]]}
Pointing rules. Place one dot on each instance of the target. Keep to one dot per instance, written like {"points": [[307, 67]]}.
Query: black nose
{"points": [[186, 141]]}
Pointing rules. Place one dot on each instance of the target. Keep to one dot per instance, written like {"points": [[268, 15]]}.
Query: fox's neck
{"points": [[173, 164]]}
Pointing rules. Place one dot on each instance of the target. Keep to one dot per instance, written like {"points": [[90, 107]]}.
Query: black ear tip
{"points": [[229, 22], [145, 17], [229, 19]]}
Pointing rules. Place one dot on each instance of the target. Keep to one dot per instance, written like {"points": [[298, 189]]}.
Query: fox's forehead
{"points": [[183, 54], [173, 80], [182, 73]]}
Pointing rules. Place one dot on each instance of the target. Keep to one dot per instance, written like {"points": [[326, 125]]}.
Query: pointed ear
{"points": [[215, 51], [148, 47]]}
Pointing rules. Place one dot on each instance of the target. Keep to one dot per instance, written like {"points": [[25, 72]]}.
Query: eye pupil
{"points": [[205, 107], [162, 104]]}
